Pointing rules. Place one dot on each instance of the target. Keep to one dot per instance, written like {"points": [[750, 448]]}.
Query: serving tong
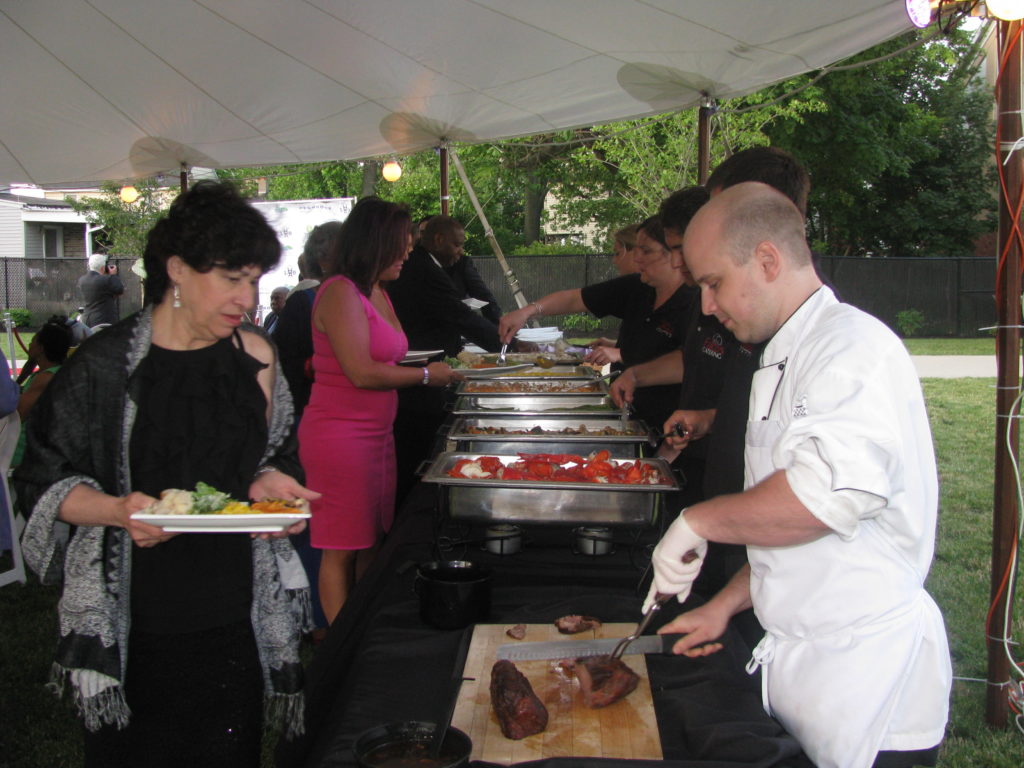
{"points": [[660, 598], [503, 356]]}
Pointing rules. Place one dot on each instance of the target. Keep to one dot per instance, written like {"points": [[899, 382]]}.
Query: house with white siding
{"points": [[36, 228]]}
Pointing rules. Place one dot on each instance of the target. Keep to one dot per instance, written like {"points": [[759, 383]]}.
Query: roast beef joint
{"points": [[520, 713]]}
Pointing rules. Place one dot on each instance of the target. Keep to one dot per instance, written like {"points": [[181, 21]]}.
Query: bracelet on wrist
{"points": [[426, 376], [540, 309]]}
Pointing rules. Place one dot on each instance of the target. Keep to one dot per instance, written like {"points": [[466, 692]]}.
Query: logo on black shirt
{"points": [[714, 346]]}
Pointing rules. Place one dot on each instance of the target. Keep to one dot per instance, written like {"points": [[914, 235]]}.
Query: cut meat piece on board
{"points": [[604, 680], [574, 624], [518, 632], [520, 713]]}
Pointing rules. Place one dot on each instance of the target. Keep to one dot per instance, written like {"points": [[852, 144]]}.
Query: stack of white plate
{"points": [[540, 335]]}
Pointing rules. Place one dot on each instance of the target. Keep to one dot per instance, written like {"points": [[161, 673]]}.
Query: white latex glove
{"points": [[676, 560]]}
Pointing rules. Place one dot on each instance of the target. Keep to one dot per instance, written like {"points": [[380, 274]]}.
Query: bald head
{"points": [[747, 250], [751, 213]]}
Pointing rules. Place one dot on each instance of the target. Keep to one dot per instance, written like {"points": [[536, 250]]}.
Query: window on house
{"points": [[53, 242]]}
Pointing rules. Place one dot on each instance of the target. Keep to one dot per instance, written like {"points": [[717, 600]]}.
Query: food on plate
{"points": [[559, 467], [207, 500], [530, 387], [582, 430], [520, 713], [604, 680], [173, 502], [574, 624], [279, 506], [518, 632]]}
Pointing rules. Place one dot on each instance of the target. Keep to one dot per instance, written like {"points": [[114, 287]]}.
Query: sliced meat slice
{"points": [[520, 713], [518, 632], [574, 624], [604, 680]]}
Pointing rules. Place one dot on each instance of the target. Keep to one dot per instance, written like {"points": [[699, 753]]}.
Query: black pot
{"points": [[407, 745], [453, 593]]}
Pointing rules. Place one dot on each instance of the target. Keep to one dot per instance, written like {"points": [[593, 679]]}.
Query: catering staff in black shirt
{"points": [[724, 427], [698, 367], [653, 305]]}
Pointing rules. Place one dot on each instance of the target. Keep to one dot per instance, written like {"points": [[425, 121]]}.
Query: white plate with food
{"points": [[260, 522], [419, 356], [207, 510], [498, 370]]}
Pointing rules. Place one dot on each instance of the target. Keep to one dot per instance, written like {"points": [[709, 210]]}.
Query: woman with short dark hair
{"points": [[173, 643]]}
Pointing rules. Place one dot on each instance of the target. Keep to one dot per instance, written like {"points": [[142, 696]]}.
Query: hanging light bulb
{"points": [[1007, 10], [920, 12], [391, 171], [129, 194]]}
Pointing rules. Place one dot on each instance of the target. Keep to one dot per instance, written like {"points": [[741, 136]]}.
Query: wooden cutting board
{"points": [[626, 729]]}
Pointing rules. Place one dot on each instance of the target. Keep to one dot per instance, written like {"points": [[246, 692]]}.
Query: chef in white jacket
{"points": [[839, 511]]}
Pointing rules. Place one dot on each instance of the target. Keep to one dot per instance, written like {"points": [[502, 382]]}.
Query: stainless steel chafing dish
{"points": [[537, 373], [571, 406], [548, 436], [548, 502], [530, 387], [565, 358]]}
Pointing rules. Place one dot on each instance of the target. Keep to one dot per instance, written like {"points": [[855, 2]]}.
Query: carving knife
{"points": [[574, 649]]}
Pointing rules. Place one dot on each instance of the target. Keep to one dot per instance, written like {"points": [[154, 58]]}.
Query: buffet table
{"points": [[380, 662]]}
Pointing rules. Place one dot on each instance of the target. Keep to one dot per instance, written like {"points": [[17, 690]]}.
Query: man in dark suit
{"points": [[429, 295], [277, 299], [428, 299]]}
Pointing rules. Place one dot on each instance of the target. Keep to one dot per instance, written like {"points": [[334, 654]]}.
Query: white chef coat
{"points": [[855, 658]]}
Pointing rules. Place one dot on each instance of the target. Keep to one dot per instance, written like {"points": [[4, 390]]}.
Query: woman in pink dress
{"points": [[345, 439]]}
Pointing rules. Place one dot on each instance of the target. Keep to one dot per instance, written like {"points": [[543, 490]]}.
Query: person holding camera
{"points": [[99, 289]]}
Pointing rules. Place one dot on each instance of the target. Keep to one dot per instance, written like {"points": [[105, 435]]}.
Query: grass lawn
{"points": [[39, 731], [982, 346]]}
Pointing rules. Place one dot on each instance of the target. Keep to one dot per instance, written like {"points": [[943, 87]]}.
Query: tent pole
{"points": [[183, 178], [513, 282], [704, 142], [1008, 314], [445, 197]]}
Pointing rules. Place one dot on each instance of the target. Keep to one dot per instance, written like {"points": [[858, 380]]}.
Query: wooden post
{"points": [[1008, 293], [704, 143], [443, 159], [183, 178]]}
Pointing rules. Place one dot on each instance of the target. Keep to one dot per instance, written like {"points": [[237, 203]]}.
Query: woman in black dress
{"points": [[174, 645]]}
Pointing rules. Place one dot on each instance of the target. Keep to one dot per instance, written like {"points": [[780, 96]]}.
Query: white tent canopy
{"points": [[115, 89]]}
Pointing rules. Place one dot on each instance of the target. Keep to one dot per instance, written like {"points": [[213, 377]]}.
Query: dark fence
{"points": [[955, 295], [47, 287]]}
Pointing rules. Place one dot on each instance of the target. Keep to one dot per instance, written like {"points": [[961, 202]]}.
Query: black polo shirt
{"points": [[645, 334], [707, 347], [728, 433]]}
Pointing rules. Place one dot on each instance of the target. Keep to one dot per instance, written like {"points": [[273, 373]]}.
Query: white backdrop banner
{"points": [[293, 220]]}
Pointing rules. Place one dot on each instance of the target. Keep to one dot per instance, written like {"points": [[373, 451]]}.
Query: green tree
{"points": [[900, 161], [125, 225], [627, 168]]}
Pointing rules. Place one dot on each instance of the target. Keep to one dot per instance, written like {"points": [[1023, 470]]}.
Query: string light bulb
{"points": [[1007, 10], [129, 194], [391, 171]]}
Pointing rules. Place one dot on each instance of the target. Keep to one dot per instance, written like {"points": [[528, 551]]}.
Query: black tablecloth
{"points": [[381, 663]]}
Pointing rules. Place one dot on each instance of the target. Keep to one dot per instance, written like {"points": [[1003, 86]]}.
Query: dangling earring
{"points": [[177, 296]]}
